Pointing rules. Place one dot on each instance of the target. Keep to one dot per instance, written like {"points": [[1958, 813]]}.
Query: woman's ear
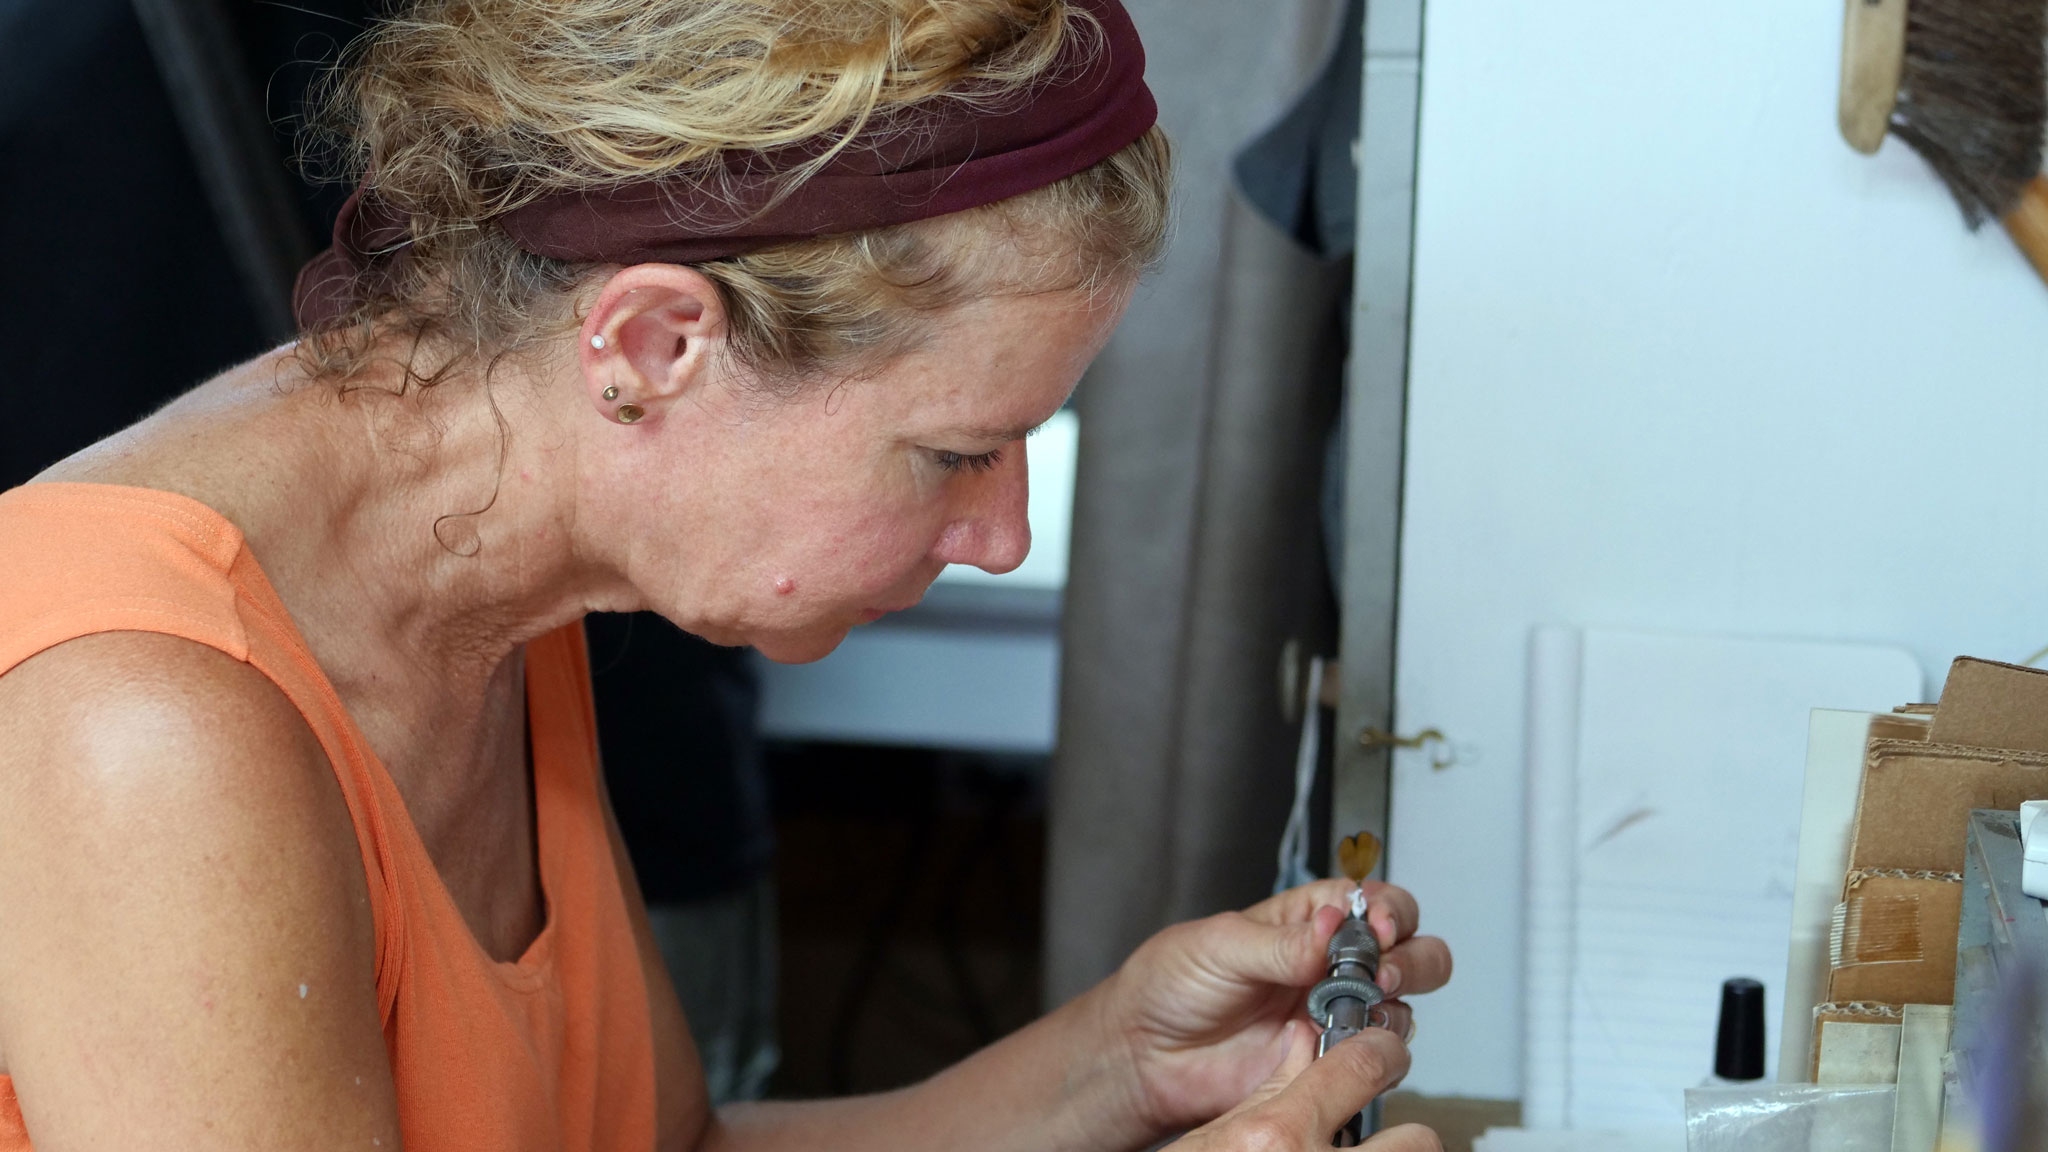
{"points": [[651, 338]]}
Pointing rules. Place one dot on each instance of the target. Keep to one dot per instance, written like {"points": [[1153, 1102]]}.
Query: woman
{"points": [[736, 310]]}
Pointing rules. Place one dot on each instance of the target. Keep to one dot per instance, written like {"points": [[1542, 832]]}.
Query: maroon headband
{"points": [[957, 157]]}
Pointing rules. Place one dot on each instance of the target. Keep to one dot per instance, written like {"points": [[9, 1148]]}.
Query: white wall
{"points": [[989, 690], [1681, 361]]}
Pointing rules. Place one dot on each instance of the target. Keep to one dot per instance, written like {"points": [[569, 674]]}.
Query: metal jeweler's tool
{"points": [[1342, 1003]]}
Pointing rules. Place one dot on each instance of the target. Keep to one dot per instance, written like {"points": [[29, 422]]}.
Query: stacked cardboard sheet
{"points": [[1893, 940]]}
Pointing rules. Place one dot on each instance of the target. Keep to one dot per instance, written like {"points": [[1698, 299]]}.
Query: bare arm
{"points": [[1201, 1028], [1040, 1089], [187, 961], [1053, 1085], [1019, 1093]]}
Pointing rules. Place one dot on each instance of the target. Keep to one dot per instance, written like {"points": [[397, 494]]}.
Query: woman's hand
{"points": [[1303, 1103], [1205, 1010]]}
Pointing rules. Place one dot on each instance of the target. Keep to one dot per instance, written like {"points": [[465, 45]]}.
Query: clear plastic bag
{"points": [[1789, 1118]]}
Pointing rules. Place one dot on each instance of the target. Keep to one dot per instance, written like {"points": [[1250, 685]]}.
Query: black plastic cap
{"points": [[1739, 1048]]}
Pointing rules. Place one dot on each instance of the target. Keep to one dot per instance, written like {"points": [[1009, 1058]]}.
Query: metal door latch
{"points": [[1445, 756]]}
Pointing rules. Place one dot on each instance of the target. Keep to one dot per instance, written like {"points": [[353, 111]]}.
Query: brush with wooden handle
{"points": [[1965, 83]]}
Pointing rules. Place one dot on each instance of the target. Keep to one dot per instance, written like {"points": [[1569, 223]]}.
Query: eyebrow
{"points": [[1001, 435]]}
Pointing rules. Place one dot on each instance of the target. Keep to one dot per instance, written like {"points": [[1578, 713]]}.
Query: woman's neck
{"points": [[438, 523], [418, 540]]}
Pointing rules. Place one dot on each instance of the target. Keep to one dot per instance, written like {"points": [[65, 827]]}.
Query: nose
{"points": [[991, 528]]}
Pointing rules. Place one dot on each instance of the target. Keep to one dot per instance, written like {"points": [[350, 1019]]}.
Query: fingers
{"points": [[1292, 955], [1297, 1048], [1410, 965], [1298, 904], [1406, 1138], [1397, 1018], [1392, 913], [1332, 1089], [1417, 965]]}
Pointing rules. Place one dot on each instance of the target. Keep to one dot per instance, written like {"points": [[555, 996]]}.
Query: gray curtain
{"points": [[1197, 552]]}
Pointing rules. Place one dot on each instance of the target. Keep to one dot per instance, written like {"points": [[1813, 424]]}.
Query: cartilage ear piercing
{"points": [[612, 393], [597, 342], [631, 413]]}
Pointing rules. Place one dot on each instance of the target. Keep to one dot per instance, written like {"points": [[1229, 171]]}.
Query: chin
{"points": [[800, 647]]}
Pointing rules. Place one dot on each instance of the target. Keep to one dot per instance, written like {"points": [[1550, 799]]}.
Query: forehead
{"points": [[995, 368]]}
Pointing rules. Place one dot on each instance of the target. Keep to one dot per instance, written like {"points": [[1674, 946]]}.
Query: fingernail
{"points": [[1390, 979]]}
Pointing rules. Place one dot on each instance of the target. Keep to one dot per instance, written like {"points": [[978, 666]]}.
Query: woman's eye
{"points": [[954, 461]]}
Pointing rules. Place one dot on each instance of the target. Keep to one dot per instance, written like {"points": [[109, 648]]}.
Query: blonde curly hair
{"points": [[467, 109]]}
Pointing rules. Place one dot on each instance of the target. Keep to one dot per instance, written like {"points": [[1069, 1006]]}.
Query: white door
{"points": [[1679, 361]]}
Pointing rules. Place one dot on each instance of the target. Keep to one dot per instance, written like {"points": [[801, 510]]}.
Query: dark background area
{"points": [[911, 895], [120, 293]]}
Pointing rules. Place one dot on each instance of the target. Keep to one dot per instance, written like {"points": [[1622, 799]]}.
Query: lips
{"points": [[873, 614], [870, 615]]}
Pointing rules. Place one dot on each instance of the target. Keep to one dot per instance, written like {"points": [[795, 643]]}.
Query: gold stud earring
{"points": [[612, 392], [631, 413]]}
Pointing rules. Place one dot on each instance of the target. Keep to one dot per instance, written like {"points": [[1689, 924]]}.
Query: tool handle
{"points": [[2028, 224], [1873, 59]]}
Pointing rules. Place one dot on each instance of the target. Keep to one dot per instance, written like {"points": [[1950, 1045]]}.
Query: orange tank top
{"points": [[552, 1052]]}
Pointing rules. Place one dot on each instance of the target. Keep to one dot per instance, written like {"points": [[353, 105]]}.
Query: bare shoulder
{"points": [[189, 953], [127, 723]]}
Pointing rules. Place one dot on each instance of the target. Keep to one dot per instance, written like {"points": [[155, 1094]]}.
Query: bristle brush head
{"points": [[1973, 97]]}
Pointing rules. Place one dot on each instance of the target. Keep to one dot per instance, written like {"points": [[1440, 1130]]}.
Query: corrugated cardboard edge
{"points": [[1912, 727], [1885, 834], [1859, 1009], [1986, 704], [1927, 749], [1859, 875]]}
